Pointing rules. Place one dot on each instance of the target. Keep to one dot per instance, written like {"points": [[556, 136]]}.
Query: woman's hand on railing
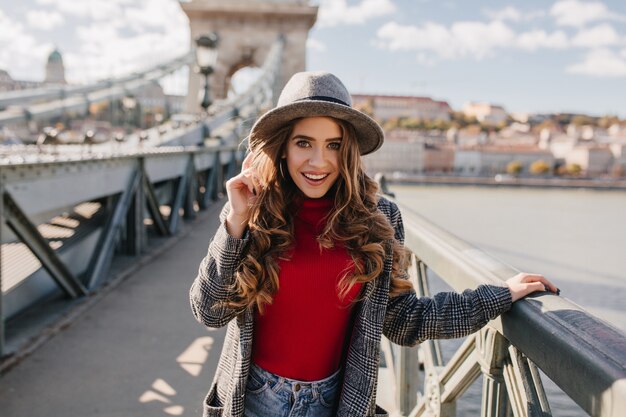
{"points": [[523, 284]]}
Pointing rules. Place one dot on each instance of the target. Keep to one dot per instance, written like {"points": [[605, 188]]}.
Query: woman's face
{"points": [[312, 154]]}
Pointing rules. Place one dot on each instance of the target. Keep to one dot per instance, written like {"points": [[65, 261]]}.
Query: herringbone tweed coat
{"points": [[405, 320]]}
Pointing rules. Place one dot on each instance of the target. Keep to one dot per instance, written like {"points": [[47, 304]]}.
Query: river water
{"points": [[575, 237]]}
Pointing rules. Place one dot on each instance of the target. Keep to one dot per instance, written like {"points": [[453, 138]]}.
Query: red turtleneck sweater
{"points": [[302, 334]]}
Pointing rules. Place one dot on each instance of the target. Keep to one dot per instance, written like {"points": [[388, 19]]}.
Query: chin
{"points": [[314, 193]]}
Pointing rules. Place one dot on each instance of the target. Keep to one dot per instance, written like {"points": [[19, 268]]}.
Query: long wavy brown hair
{"points": [[354, 222]]}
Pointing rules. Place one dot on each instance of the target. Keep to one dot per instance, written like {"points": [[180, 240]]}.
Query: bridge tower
{"points": [[247, 29]]}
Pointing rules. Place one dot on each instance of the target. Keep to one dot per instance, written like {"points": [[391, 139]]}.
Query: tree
{"points": [[606, 121], [539, 167], [546, 124], [514, 168], [582, 120], [573, 169], [391, 123], [410, 123]]}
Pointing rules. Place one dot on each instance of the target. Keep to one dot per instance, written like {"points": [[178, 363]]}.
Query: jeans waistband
{"points": [[319, 384]]}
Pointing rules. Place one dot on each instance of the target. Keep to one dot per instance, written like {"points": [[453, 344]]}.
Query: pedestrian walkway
{"points": [[137, 351]]}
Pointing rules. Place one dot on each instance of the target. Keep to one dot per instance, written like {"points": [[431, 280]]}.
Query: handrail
{"points": [[243, 108], [583, 355], [24, 97]]}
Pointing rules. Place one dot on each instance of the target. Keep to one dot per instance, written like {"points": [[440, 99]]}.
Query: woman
{"points": [[308, 270]]}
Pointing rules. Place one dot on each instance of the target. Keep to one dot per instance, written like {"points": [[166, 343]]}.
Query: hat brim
{"points": [[370, 135]]}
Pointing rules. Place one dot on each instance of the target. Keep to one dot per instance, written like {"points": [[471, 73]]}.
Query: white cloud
{"points": [[426, 59], [159, 32], [19, 50], [154, 13], [508, 13], [93, 9], [479, 39], [244, 78], [601, 63], [473, 39], [338, 12], [44, 20], [536, 39], [578, 13], [316, 45], [598, 36], [623, 53], [513, 14]]}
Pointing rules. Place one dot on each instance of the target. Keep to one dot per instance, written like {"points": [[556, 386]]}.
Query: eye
{"points": [[302, 144], [334, 146]]}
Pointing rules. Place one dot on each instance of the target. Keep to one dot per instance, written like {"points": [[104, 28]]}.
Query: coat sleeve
{"points": [[410, 319], [216, 275]]}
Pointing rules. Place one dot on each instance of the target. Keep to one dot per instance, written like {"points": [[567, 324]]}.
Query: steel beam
{"points": [[103, 253], [135, 229], [524, 387], [2, 327], [493, 351], [30, 236], [191, 193], [213, 180], [153, 207], [177, 204]]}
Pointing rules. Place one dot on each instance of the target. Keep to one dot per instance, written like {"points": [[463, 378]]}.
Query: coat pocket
{"points": [[212, 406]]}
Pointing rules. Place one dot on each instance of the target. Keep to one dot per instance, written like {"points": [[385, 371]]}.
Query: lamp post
{"points": [[206, 57]]}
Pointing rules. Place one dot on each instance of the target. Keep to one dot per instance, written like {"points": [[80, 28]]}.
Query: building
{"points": [[175, 104], [383, 107], [593, 159], [402, 151], [486, 112], [7, 83], [55, 71], [492, 159], [439, 158], [55, 74]]}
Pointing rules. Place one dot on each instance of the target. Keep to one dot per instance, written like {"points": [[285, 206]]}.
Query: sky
{"points": [[528, 56]]}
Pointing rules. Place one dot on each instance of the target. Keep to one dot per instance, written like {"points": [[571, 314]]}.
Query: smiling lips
{"points": [[315, 178]]}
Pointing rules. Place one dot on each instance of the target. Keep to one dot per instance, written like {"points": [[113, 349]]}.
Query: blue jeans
{"points": [[268, 394]]}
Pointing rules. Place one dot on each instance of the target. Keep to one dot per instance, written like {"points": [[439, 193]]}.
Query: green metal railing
{"points": [[581, 354]]}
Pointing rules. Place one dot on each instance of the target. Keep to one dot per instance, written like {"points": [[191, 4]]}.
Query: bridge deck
{"points": [[137, 351]]}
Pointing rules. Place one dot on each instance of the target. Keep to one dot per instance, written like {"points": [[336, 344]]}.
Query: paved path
{"points": [[138, 351]]}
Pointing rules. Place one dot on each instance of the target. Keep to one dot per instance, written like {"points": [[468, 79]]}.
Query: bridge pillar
{"points": [[247, 30]]}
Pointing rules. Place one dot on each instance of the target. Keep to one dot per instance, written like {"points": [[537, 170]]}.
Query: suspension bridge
{"points": [[101, 240]]}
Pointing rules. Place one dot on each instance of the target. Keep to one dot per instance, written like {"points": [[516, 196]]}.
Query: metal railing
{"points": [[581, 354], [133, 194], [47, 102]]}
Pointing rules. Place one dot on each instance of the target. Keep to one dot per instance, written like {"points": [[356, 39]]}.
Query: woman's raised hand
{"points": [[242, 190], [523, 284]]}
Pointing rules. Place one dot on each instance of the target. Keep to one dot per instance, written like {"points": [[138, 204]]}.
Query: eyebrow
{"points": [[311, 138]]}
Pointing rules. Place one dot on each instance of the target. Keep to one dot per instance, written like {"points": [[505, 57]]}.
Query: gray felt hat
{"points": [[308, 94]]}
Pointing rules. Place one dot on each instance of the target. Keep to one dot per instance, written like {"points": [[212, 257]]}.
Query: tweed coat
{"points": [[405, 320]]}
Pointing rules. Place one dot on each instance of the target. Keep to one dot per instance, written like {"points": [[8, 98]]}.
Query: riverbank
{"points": [[514, 182]]}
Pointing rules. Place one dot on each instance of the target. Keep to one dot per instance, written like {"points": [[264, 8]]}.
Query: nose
{"points": [[317, 158]]}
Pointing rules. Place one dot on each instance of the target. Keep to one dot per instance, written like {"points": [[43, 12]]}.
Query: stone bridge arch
{"points": [[247, 29]]}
